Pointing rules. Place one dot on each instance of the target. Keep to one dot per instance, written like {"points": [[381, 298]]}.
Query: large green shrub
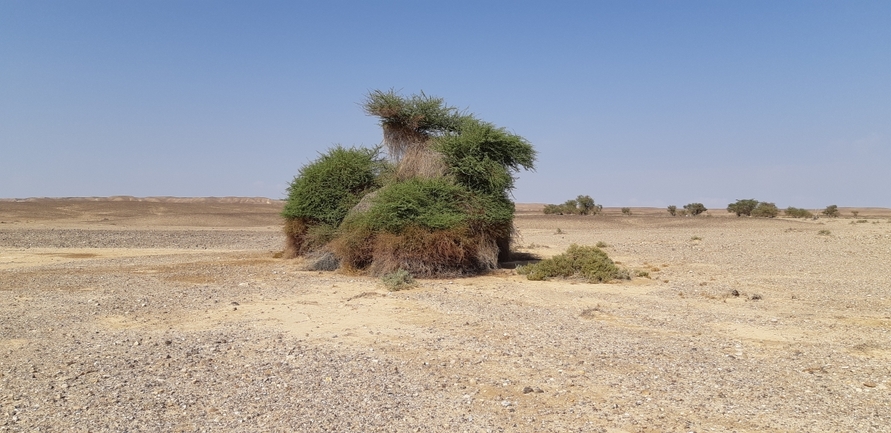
{"points": [[743, 207], [765, 210], [440, 205], [795, 212], [831, 211], [695, 208]]}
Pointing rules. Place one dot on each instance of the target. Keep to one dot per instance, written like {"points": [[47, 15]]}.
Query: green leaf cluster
{"points": [[425, 115], [695, 208], [435, 204], [483, 157], [742, 207], [765, 210], [831, 211], [325, 190]]}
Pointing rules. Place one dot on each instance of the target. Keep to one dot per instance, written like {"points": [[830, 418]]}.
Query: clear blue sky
{"points": [[633, 103]]}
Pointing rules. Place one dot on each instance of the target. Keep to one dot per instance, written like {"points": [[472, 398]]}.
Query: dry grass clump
{"points": [[398, 280], [588, 263], [420, 251]]}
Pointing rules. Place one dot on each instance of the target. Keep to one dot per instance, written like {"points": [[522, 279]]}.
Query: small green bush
{"points": [[831, 211], [765, 210], [795, 212], [626, 211], [398, 280], [673, 210], [695, 208], [743, 207], [588, 263]]}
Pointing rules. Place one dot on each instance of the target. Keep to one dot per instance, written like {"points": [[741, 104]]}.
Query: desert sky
{"points": [[634, 103]]}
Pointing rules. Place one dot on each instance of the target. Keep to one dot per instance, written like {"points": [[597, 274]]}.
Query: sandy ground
{"points": [[174, 315]]}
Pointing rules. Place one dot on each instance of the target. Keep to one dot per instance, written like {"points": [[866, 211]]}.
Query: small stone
{"points": [[528, 389], [869, 384], [735, 293]]}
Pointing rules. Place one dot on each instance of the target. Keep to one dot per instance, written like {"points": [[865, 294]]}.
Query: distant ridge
{"points": [[159, 199]]}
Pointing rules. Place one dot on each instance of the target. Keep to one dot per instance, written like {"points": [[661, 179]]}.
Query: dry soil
{"points": [[125, 314]]}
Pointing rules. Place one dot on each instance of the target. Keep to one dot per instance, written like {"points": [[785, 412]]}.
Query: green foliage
{"points": [[409, 121], [326, 189], [398, 280], [765, 210], [695, 208], [587, 206], [795, 212], [582, 205], [588, 263], [626, 211], [483, 157], [432, 204], [743, 207], [831, 211], [824, 232], [440, 207], [672, 210]]}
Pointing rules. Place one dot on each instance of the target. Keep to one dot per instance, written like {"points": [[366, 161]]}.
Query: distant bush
{"points": [[626, 211], [582, 205], [765, 210], [795, 212], [695, 208], [588, 263], [673, 210], [831, 211], [855, 213], [824, 232], [743, 207]]}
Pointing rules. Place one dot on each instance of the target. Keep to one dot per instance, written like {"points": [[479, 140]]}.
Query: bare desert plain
{"points": [[122, 314]]}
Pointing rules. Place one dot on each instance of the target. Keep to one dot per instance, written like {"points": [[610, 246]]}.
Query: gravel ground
{"points": [[757, 325]]}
